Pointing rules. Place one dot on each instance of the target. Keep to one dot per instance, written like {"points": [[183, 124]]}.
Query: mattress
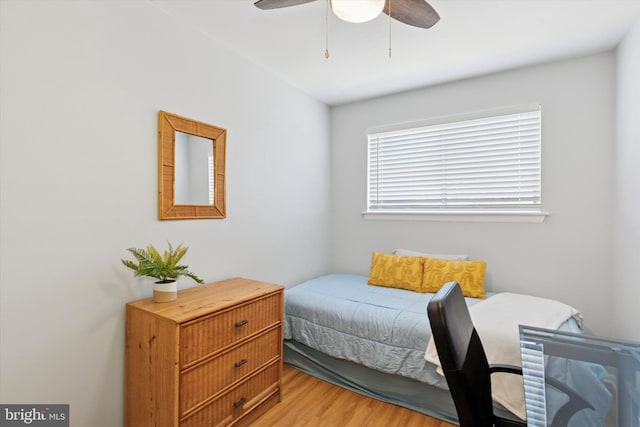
{"points": [[385, 329]]}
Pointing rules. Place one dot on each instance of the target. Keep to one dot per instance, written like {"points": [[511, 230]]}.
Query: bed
{"points": [[373, 340]]}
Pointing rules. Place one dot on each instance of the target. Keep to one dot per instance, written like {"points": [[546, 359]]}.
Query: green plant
{"points": [[163, 267]]}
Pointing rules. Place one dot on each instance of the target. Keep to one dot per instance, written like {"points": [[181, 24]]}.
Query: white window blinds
{"points": [[484, 164], [211, 180]]}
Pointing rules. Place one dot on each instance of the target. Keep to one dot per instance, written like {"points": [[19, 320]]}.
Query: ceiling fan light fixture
{"points": [[357, 11]]}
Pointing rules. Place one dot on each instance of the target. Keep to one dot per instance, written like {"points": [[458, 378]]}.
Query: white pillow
{"points": [[452, 257]]}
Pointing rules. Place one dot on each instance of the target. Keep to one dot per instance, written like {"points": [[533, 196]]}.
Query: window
{"points": [[485, 164]]}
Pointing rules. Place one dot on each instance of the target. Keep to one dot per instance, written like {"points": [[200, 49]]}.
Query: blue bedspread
{"points": [[382, 328], [388, 330]]}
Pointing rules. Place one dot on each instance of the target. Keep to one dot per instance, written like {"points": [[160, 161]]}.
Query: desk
{"points": [[606, 372]]}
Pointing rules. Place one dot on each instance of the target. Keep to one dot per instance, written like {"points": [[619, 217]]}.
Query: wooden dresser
{"points": [[211, 358]]}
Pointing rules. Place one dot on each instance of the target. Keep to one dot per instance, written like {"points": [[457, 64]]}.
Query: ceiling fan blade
{"points": [[277, 4], [413, 12]]}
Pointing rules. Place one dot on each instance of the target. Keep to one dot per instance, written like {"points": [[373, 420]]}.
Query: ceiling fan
{"points": [[417, 13]]}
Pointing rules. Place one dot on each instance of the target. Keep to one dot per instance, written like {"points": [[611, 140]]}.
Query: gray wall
{"points": [[82, 83], [626, 232], [568, 256]]}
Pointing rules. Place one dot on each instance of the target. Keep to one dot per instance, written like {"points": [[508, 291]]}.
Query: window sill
{"points": [[515, 216]]}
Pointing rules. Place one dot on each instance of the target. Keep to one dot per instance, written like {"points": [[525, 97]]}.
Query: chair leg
{"points": [[503, 422]]}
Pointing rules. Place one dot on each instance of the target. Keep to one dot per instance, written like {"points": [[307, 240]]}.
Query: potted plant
{"points": [[163, 267]]}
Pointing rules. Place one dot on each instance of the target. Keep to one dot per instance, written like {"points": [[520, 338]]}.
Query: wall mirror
{"points": [[191, 168]]}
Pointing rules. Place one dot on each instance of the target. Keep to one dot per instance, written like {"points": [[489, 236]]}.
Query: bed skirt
{"points": [[394, 389]]}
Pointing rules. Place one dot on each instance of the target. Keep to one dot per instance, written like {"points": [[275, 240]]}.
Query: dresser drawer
{"points": [[206, 335], [239, 400], [204, 380]]}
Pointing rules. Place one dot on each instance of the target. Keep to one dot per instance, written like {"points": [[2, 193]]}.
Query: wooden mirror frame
{"points": [[168, 125]]}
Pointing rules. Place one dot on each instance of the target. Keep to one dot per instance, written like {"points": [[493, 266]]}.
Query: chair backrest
{"points": [[462, 357]]}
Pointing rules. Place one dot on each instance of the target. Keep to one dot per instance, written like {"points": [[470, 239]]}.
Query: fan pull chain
{"points": [[389, 2], [326, 22]]}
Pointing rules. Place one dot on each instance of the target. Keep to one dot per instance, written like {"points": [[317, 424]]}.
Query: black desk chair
{"points": [[466, 369]]}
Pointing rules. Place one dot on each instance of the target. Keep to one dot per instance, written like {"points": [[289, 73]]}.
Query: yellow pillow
{"points": [[468, 274], [396, 271]]}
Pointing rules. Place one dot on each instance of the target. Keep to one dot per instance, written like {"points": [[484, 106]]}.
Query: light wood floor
{"points": [[310, 402]]}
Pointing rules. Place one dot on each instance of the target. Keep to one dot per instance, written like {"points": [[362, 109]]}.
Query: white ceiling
{"points": [[473, 37]]}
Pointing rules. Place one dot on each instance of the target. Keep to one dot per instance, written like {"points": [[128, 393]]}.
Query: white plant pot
{"points": [[165, 292]]}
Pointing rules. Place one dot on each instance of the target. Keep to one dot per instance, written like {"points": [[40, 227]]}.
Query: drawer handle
{"points": [[240, 363], [241, 323], [239, 402]]}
